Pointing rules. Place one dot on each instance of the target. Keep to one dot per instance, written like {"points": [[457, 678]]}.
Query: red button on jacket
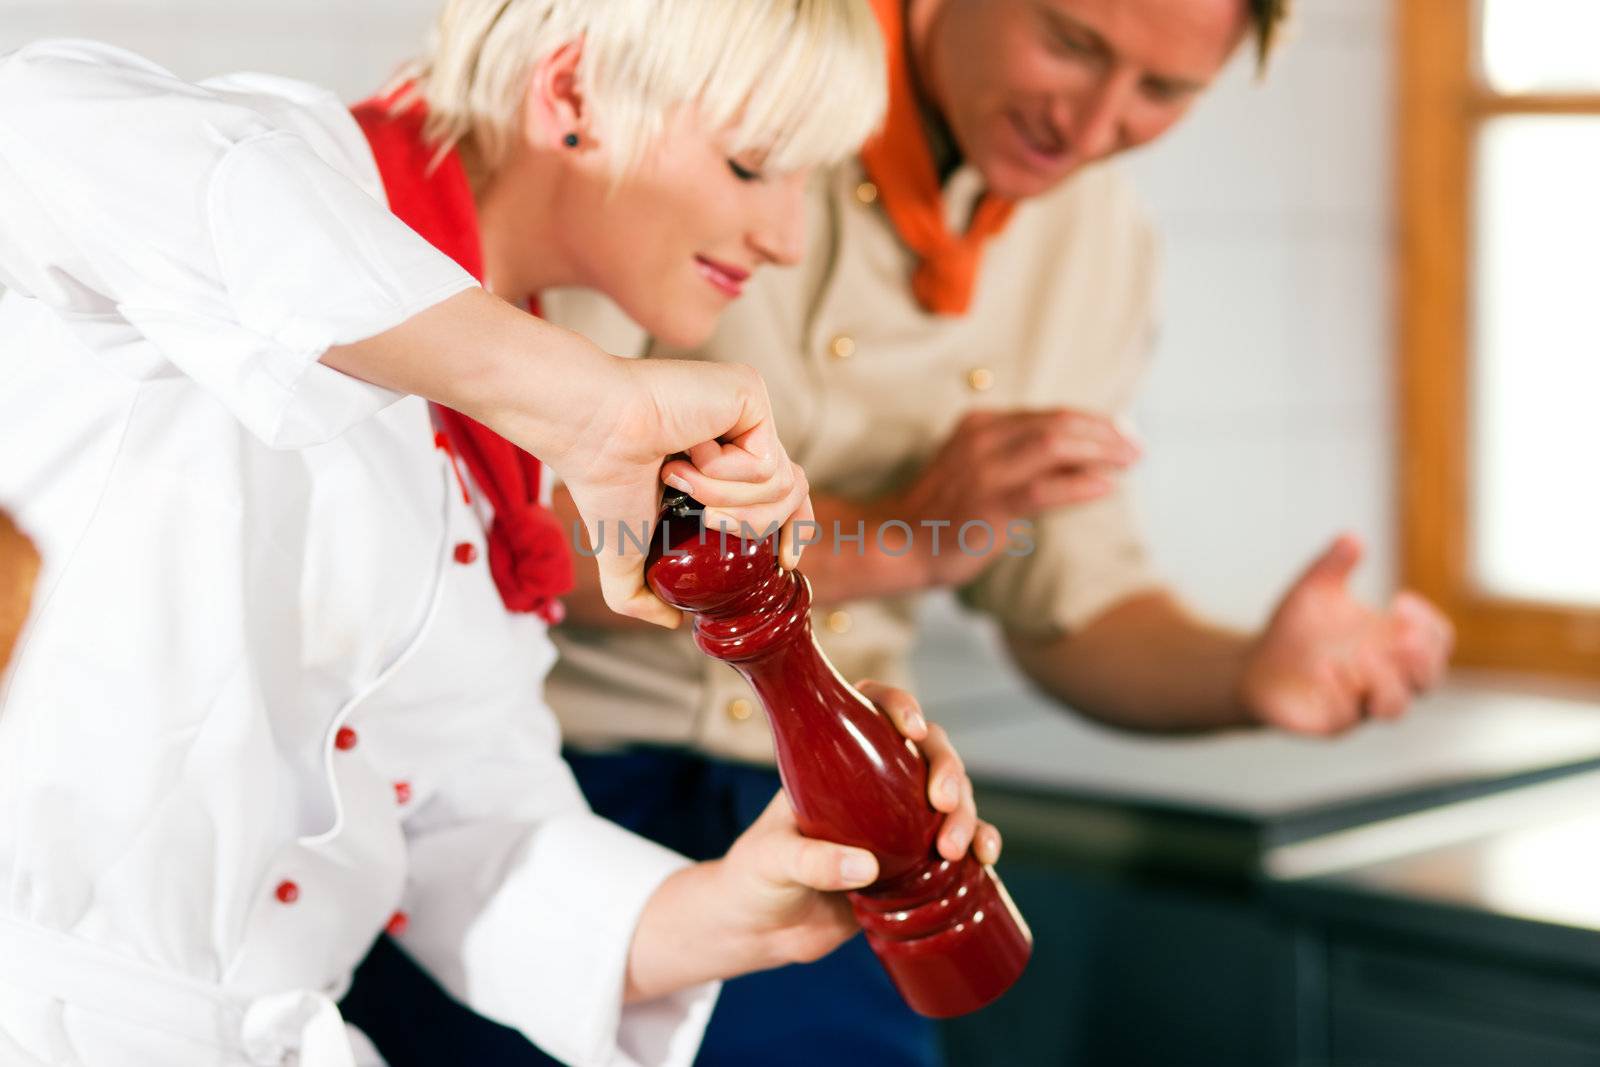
{"points": [[466, 552], [397, 924], [287, 892], [345, 739], [402, 792]]}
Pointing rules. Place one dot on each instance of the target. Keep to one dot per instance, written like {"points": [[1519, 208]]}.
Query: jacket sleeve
{"points": [[1069, 566], [523, 904], [207, 221]]}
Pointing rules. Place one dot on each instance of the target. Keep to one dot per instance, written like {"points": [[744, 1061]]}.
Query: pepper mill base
{"points": [[963, 963]]}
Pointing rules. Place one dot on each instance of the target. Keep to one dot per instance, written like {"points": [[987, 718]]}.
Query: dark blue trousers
{"points": [[838, 1012]]}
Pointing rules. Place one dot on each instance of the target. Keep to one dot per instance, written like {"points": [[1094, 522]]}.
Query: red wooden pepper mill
{"points": [[948, 933]]}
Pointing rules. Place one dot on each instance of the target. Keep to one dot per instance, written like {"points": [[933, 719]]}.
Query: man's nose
{"points": [[1100, 123]]}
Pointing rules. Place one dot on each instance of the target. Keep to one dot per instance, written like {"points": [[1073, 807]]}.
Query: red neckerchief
{"points": [[528, 554]]}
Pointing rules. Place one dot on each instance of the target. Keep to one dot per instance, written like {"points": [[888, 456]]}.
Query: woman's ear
{"points": [[554, 111]]}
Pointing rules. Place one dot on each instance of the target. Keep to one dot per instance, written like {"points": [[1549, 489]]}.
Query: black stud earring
{"points": [[570, 140]]}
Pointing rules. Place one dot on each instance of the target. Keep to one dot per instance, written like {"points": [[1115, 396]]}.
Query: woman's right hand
{"points": [[719, 416], [604, 424]]}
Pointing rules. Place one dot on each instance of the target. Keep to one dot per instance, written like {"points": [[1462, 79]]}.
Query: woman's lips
{"points": [[728, 279]]}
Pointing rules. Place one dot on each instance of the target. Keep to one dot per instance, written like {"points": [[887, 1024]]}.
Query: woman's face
{"points": [[676, 241]]}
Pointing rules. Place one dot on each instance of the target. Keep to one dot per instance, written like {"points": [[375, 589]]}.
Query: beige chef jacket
{"points": [[865, 386]]}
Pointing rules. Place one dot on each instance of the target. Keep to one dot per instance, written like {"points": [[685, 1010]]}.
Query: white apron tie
{"points": [[263, 1032]]}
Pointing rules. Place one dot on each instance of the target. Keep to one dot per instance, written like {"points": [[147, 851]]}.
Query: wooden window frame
{"points": [[1443, 101]]}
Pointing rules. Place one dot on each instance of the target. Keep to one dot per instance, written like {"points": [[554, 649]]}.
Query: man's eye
{"points": [[744, 174], [1072, 46], [1165, 92]]}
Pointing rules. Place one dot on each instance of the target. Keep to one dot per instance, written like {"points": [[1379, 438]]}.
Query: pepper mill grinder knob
{"points": [[947, 932]]}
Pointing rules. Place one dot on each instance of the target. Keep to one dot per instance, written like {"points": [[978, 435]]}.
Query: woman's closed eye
{"points": [[743, 173]]}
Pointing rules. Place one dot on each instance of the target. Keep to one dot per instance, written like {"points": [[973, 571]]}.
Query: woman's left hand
{"points": [[949, 788], [785, 887], [777, 896]]}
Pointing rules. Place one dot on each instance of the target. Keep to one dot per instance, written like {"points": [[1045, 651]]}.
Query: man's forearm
{"points": [[1145, 664], [858, 557]]}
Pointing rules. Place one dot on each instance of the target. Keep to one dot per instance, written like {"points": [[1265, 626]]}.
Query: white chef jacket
{"points": [[265, 702]]}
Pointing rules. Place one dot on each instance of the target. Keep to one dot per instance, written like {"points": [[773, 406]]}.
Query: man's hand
{"points": [[998, 466], [1325, 661]]}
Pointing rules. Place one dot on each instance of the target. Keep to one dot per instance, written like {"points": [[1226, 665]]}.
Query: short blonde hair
{"points": [[801, 80]]}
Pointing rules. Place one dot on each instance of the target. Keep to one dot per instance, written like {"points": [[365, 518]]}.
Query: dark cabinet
{"points": [[1132, 973], [1416, 1005]]}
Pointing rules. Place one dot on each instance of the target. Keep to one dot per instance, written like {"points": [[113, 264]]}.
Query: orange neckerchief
{"points": [[900, 163]]}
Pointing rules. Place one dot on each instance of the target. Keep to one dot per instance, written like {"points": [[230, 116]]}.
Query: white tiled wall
{"points": [[347, 45], [1267, 413], [1268, 409]]}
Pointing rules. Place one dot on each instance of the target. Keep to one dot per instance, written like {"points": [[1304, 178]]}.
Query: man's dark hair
{"points": [[1268, 17]]}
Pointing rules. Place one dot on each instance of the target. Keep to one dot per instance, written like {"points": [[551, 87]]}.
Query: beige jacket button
{"points": [[867, 193], [980, 379], [739, 709], [839, 622], [842, 347]]}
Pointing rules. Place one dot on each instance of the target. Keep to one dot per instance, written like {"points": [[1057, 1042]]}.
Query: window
{"points": [[1500, 324]]}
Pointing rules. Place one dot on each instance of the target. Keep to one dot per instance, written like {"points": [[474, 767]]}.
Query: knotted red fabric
{"points": [[528, 553], [900, 164]]}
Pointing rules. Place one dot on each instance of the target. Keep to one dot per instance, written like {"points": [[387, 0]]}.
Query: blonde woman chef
{"points": [[267, 704]]}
